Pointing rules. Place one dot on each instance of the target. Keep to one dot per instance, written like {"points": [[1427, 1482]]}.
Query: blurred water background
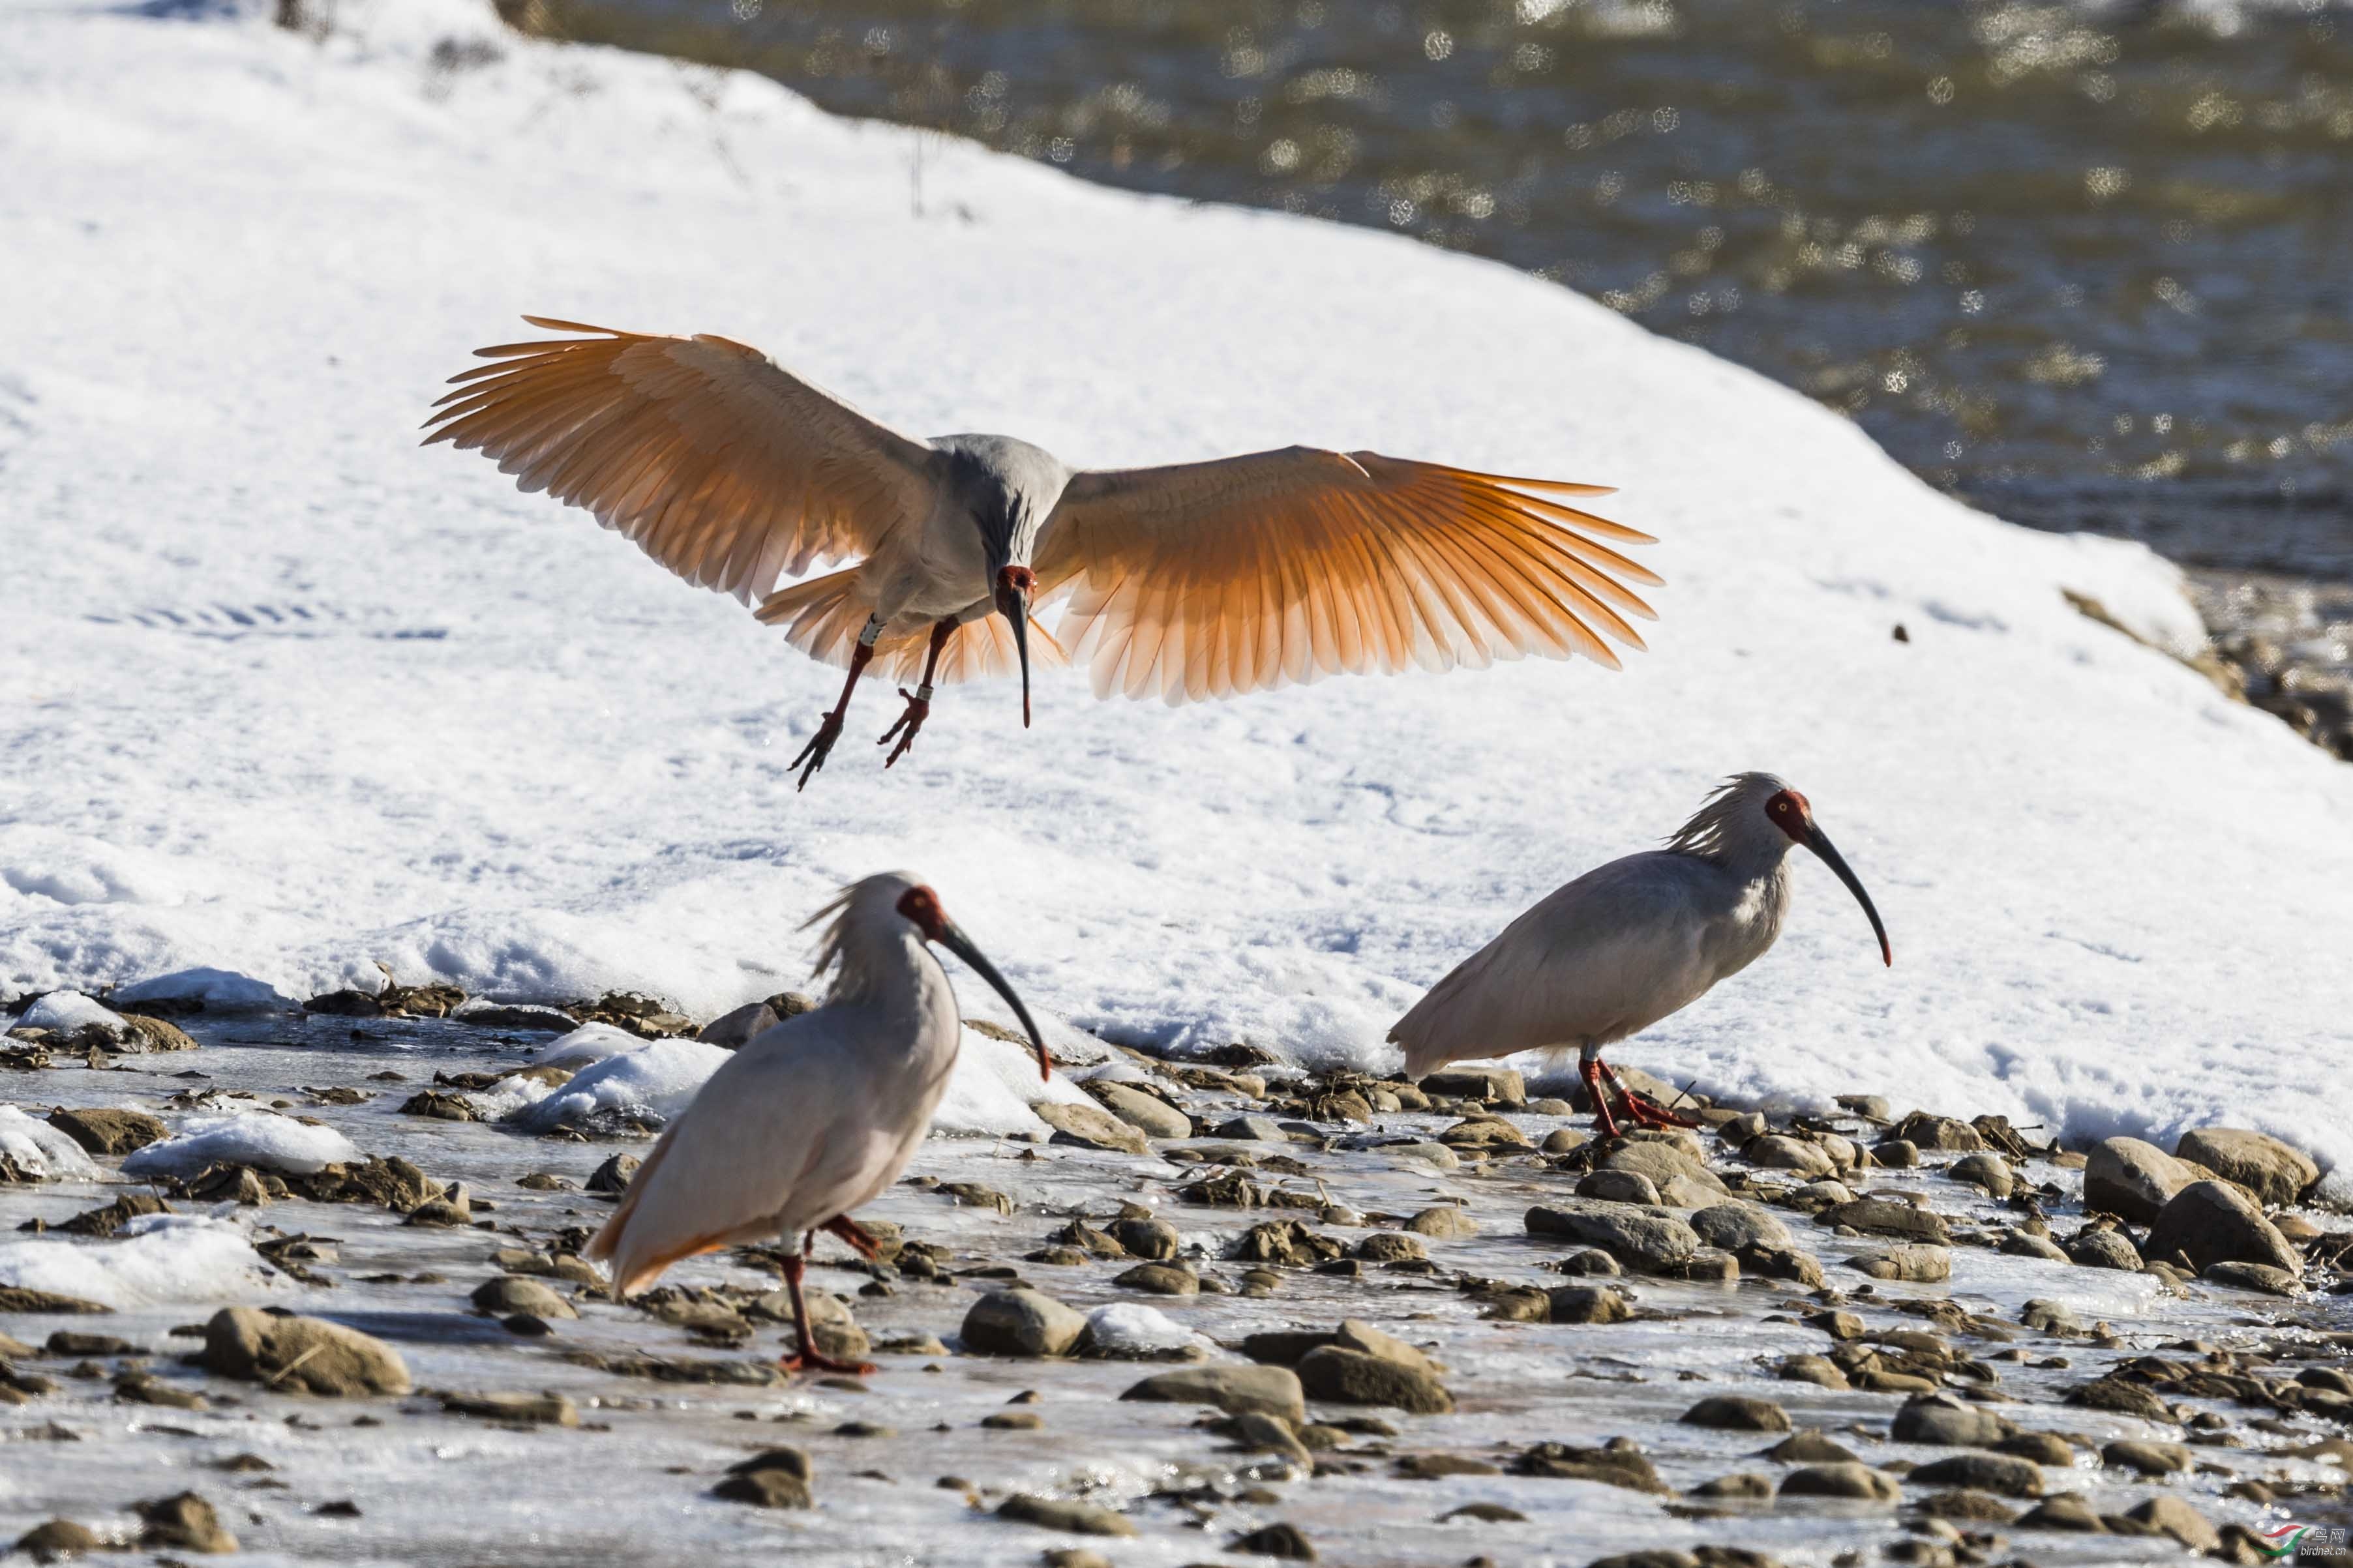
{"points": [[2088, 265]]}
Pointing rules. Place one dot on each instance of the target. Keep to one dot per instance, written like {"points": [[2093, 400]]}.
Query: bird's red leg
{"points": [[919, 700], [1589, 1069], [1641, 1109], [808, 1358], [850, 1231], [828, 729]]}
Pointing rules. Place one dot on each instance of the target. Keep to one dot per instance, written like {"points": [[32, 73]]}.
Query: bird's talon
{"points": [[1644, 1111], [819, 747], [910, 722]]}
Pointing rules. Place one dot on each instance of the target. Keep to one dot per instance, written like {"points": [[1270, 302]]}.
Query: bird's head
{"points": [[897, 897], [1752, 821], [1793, 813]]}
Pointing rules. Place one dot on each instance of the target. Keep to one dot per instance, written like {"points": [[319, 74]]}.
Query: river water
{"points": [[2086, 264]]}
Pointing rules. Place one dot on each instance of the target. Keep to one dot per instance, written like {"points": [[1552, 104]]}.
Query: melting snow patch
{"points": [[1128, 1329], [652, 1081], [218, 989], [40, 1149], [66, 1011], [248, 1138], [993, 1087], [156, 1258], [587, 1044]]}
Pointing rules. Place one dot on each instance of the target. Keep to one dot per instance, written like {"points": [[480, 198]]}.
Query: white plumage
{"points": [[815, 1118], [1630, 943]]}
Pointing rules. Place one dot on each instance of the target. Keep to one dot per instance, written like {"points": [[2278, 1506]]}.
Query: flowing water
{"points": [[2084, 265]]}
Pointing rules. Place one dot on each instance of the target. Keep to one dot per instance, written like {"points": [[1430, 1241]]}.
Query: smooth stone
{"points": [[2026, 1244], [1443, 1222], [765, 1485], [1337, 1376], [511, 1293], [1235, 1389], [1564, 1140], [1778, 1151], [1665, 1163], [2172, 1516], [2067, 1512], [1056, 1513], [1149, 1114], [1020, 1323], [1747, 1486], [1160, 1279], [2274, 1172], [2149, 1459], [1986, 1170], [2213, 1222], [1809, 1448], [1943, 1132], [108, 1132], [1947, 1421], [1896, 1154], [1738, 1413], [1917, 1265], [1850, 1479], [301, 1355], [1819, 1371], [1644, 1240], [1878, 1216], [2043, 1447], [2006, 1475], [1090, 1127], [1437, 1156], [1251, 1128], [2105, 1249], [57, 1538], [1472, 1080], [1586, 1304], [1392, 1247], [2261, 1277], [735, 1029], [1149, 1238], [187, 1523], [1619, 1188], [1735, 1225], [546, 1408], [2132, 1179]]}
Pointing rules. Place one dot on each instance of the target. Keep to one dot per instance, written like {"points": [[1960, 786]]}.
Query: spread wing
{"points": [[1212, 579], [726, 468]]}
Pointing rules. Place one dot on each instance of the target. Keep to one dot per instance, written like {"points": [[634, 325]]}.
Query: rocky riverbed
{"points": [[306, 1286]]}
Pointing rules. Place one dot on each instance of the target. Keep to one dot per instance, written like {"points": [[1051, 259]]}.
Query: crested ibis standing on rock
{"points": [[1628, 942], [815, 1117], [1185, 582]]}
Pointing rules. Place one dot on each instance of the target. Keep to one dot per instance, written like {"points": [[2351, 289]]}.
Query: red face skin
{"points": [[922, 906], [1791, 812], [1019, 578]]}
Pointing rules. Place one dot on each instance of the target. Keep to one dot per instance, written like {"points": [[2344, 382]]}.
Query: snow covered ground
{"points": [[282, 694]]}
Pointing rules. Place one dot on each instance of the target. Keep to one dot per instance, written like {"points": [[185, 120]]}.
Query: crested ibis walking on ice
{"points": [[1186, 582], [1628, 942], [814, 1117]]}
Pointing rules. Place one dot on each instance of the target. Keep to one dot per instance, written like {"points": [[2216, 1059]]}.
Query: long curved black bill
{"points": [[1013, 604], [952, 937], [1819, 843]]}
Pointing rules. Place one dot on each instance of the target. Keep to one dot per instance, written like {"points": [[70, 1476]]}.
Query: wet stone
{"points": [[511, 1293], [2068, 1512], [1020, 1323], [765, 1487], [1149, 1114], [1968, 1507], [1499, 1085], [1390, 1246], [2006, 1475], [1236, 1390], [301, 1355], [2174, 1516], [1585, 1304], [2270, 1280], [1745, 1486], [2043, 1447], [2147, 1458], [1775, 1152], [1617, 1463], [1987, 1171], [1735, 1225], [186, 1524], [1738, 1413], [1090, 1127], [2274, 1172], [1896, 1154], [1941, 1133], [1920, 1265], [2134, 1180], [2025, 1244], [1282, 1541], [1947, 1421], [1056, 1513], [1877, 1216], [2212, 1222], [1619, 1188], [1809, 1448], [1443, 1222], [613, 1176], [57, 1538], [107, 1132], [1340, 1376], [1653, 1242], [1819, 1371], [546, 1408], [1852, 1480], [2105, 1249], [1160, 1279]]}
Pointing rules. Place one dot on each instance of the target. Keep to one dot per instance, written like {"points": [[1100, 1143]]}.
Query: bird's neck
{"points": [[896, 973]]}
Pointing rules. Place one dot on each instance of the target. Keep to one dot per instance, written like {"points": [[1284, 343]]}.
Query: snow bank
{"points": [[68, 1011], [476, 736], [651, 1081], [248, 1138], [218, 989], [40, 1148], [993, 1087], [153, 1259]]}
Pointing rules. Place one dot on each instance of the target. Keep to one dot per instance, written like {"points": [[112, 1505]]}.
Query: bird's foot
{"points": [[850, 1231], [918, 709], [1603, 1121], [1644, 1111], [811, 1361], [819, 747]]}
